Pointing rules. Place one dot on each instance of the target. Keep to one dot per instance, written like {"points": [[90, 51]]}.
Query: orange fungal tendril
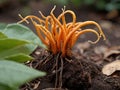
{"points": [[60, 36]]}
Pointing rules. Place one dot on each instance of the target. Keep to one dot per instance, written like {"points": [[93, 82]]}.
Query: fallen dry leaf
{"points": [[110, 51], [112, 14], [36, 85], [110, 68]]}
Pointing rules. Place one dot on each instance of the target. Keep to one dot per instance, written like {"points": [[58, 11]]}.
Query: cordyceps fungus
{"points": [[60, 36]]}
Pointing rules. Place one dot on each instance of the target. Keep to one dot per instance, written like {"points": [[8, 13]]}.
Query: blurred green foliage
{"points": [[114, 4], [8, 4], [21, 1], [107, 5], [3, 1]]}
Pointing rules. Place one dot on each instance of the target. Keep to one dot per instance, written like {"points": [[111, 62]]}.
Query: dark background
{"points": [[105, 12]]}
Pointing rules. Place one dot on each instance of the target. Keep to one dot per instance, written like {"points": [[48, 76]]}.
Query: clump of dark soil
{"points": [[71, 73]]}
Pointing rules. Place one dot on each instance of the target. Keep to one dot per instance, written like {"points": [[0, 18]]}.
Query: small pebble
{"points": [[38, 53]]}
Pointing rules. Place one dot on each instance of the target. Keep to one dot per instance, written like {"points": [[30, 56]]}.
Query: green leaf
{"points": [[2, 35], [11, 46], [13, 75], [19, 31], [19, 57], [2, 26], [5, 87]]}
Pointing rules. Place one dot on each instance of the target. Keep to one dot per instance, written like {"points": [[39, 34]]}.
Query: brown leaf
{"points": [[111, 51], [112, 14], [36, 85], [110, 68]]}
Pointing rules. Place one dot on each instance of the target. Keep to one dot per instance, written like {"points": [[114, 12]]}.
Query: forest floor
{"points": [[84, 69]]}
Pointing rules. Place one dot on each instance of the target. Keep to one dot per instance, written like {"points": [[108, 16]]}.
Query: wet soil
{"points": [[80, 72]]}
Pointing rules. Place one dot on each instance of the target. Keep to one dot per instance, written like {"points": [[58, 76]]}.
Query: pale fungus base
{"points": [[61, 36]]}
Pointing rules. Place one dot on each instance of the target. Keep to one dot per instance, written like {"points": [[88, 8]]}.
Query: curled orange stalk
{"points": [[60, 36]]}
